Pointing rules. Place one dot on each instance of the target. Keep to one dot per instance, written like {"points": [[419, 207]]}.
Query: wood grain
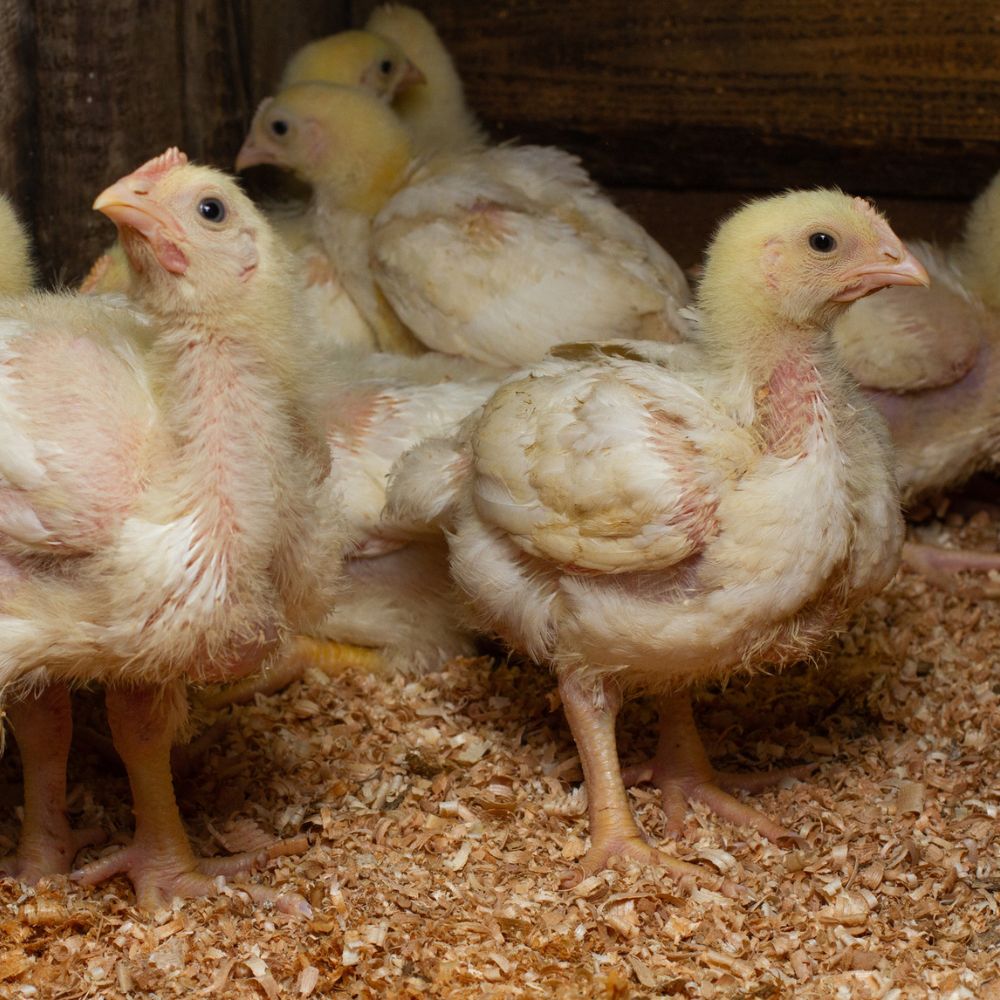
{"points": [[92, 90], [896, 98]]}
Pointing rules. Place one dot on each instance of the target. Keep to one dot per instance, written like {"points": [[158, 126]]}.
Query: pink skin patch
{"points": [[788, 405], [487, 221]]}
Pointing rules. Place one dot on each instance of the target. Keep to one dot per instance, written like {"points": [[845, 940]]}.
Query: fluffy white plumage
{"points": [[637, 511], [495, 254]]}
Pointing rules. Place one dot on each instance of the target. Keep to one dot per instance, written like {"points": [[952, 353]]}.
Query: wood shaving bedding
{"points": [[437, 814]]}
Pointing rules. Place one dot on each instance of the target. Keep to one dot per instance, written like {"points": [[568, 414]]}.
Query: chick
{"points": [[632, 514], [399, 58], [164, 518], [435, 113], [495, 254], [356, 59], [929, 359], [41, 720]]}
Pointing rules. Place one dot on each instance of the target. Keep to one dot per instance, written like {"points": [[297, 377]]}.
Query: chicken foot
{"points": [[159, 861], [332, 658], [680, 768], [614, 831], [939, 565], [43, 727]]}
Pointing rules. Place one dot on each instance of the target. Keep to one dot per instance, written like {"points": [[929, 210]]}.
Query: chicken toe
{"points": [[42, 726], [159, 861], [682, 771], [939, 565], [614, 831]]}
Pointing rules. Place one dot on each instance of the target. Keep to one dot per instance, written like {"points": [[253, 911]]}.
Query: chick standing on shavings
{"points": [[645, 517], [165, 514]]}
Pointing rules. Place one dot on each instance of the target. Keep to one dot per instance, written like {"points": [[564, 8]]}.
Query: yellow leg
{"points": [[332, 658], [159, 861], [43, 726], [613, 829]]}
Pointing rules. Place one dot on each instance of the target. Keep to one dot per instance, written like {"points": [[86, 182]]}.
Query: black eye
{"points": [[212, 209], [822, 242], [279, 126], [385, 66]]}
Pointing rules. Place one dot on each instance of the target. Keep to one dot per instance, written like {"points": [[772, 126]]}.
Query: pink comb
{"points": [[162, 164]]}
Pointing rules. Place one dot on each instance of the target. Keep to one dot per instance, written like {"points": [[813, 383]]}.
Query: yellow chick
{"points": [[645, 517], [399, 58], [495, 254], [17, 273]]}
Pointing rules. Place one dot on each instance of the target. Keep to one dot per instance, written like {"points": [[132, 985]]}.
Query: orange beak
{"points": [[895, 266], [127, 204]]}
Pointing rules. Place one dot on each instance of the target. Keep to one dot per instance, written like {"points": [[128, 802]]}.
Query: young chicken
{"points": [[400, 59], [929, 359], [355, 59], [644, 517], [41, 720], [164, 518], [496, 254], [435, 113]]}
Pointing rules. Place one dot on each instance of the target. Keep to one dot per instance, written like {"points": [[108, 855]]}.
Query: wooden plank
{"points": [[17, 110], [117, 82], [893, 98]]}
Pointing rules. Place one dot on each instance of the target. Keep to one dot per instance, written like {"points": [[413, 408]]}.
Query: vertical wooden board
{"points": [[108, 96], [17, 107]]}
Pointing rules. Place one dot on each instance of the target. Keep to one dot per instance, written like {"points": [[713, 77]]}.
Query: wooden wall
{"points": [[897, 99]]}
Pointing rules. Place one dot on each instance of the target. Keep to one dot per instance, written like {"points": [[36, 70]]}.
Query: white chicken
{"points": [[164, 514], [496, 254], [644, 517], [929, 359]]}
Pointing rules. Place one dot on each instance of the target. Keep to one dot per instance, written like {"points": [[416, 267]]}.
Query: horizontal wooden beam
{"points": [[893, 98]]}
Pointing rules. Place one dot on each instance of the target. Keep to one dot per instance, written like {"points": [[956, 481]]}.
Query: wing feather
{"points": [[609, 469]]}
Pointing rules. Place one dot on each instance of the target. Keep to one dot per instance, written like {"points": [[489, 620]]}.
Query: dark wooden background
{"points": [[680, 107]]}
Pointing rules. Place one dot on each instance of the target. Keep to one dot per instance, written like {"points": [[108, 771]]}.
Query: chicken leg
{"points": [[614, 831], [159, 861], [43, 725], [939, 564], [333, 658], [682, 771]]}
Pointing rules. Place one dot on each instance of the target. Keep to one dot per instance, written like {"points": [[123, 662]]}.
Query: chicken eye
{"points": [[212, 209], [279, 126], [822, 242], [385, 67]]}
